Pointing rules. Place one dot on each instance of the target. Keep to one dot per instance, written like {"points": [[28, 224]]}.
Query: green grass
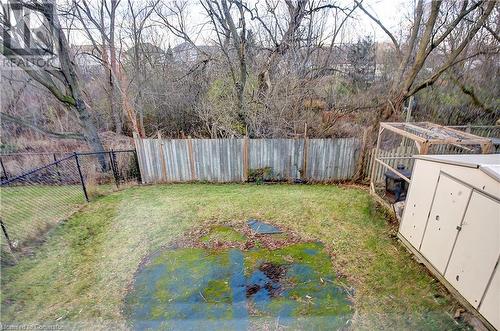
{"points": [[28, 210], [82, 272], [223, 234]]}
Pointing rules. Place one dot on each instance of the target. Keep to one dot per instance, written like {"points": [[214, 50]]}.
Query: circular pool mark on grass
{"points": [[196, 288]]}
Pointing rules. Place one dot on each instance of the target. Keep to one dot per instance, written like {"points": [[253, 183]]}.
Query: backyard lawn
{"points": [[85, 269], [28, 211]]}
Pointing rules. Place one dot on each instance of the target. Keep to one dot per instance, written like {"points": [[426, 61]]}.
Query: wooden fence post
{"points": [[163, 161], [245, 158], [361, 162], [191, 158], [375, 164], [304, 168]]}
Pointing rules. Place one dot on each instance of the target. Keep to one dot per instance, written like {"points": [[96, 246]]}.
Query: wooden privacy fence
{"points": [[231, 160]]}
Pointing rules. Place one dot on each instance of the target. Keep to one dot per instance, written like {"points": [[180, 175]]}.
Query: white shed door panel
{"points": [[490, 308], [424, 178], [477, 248], [446, 214]]}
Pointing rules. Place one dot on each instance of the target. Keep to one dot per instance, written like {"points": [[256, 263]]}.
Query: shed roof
{"points": [[434, 133], [488, 163]]}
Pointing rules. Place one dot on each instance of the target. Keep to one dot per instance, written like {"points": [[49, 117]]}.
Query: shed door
{"points": [[424, 178], [477, 248], [447, 211]]}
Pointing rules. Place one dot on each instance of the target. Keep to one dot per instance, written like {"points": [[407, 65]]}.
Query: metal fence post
{"points": [[6, 234], [112, 159], [117, 172], [81, 177], [57, 168], [3, 169], [136, 159]]}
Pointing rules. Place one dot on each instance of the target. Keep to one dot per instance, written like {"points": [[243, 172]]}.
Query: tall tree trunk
{"points": [[407, 86], [297, 12], [240, 43], [110, 90], [139, 70], [115, 111], [68, 69], [112, 54], [127, 105], [89, 129], [67, 89], [240, 87]]}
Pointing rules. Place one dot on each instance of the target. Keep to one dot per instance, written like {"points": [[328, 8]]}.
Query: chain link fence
{"points": [[33, 201]]}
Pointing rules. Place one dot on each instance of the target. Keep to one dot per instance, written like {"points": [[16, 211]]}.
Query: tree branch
{"points": [[379, 23], [493, 33], [413, 38], [469, 91], [58, 135], [38, 76], [453, 25], [451, 61]]}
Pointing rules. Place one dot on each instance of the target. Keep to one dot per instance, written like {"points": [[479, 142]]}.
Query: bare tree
{"points": [[267, 67], [431, 28], [230, 34], [138, 18], [101, 17], [296, 11], [61, 81], [98, 18]]}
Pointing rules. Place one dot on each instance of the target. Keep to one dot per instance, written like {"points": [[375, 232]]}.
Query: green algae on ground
{"points": [[217, 290], [223, 234], [189, 287], [73, 278]]}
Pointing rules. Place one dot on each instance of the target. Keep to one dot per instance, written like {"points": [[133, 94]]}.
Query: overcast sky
{"points": [[391, 12]]}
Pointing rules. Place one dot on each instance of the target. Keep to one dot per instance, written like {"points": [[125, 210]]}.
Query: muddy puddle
{"points": [[203, 287]]}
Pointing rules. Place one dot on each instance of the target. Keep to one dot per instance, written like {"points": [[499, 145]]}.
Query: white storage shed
{"points": [[451, 222]]}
